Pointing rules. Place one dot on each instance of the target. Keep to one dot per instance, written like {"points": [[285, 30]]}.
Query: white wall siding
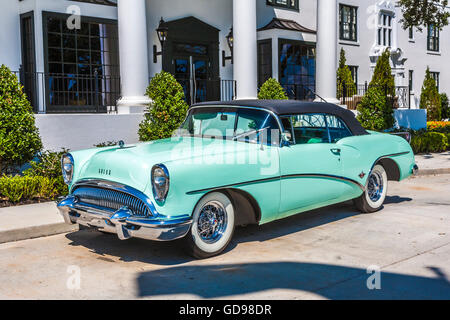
{"points": [[418, 57], [83, 131], [10, 52]]}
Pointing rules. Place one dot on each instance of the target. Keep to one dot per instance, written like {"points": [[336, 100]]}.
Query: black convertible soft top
{"points": [[291, 107]]}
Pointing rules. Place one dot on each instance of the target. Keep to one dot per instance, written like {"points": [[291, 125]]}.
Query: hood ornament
{"points": [[121, 144]]}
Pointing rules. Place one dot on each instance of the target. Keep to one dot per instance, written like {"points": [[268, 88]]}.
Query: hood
{"points": [[132, 165]]}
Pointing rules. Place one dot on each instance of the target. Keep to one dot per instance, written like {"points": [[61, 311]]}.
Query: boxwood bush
{"points": [[272, 90], [429, 142], [48, 165], [23, 188], [19, 137], [168, 108]]}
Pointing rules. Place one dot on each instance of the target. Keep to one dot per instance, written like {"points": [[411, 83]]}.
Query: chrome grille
{"points": [[111, 199]]}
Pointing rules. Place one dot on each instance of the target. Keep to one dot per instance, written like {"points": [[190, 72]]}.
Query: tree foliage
{"points": [[376, 108], [19, 137], [272, 90], [167, 110], [344, 77], [445, 106], [421, 13], [430, 98]]}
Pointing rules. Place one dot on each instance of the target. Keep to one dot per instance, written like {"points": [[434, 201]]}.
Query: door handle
{"points": [[336, 150]]}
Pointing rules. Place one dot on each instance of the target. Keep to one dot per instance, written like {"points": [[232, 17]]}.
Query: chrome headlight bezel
{"points": [[160, 182], [67, 166]]}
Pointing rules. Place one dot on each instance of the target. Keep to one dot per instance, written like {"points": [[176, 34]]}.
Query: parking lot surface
{"points": [[330, 253]]}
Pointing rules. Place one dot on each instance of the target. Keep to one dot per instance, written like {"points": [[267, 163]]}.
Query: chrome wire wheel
{"points": [[375, 191], [375, 186], [212, 222], [212, 226]]}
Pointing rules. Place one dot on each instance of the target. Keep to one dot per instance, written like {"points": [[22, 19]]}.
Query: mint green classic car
{"points": [[233, 164]]}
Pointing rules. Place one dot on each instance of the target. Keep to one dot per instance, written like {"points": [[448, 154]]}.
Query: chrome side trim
{"points": [[302, 175], [388, 156], [327, 176]]}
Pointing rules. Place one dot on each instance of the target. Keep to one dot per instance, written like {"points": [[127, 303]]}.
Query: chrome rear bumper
{"points": [[122, 222]]}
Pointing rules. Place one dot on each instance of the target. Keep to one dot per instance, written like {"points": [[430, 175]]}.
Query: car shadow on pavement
{"points": [[322, 280], [171, 253], [396, 199]]}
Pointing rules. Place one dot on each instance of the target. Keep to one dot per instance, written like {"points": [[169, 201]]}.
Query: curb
{"points": [[36, 232], [432, 172]]}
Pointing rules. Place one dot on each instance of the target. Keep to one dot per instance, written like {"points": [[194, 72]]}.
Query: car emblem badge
{"points": [[362, 175]]}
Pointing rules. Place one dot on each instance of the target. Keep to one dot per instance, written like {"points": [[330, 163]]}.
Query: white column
{"points": [[245, 48], [133, 53], [326, 60]]}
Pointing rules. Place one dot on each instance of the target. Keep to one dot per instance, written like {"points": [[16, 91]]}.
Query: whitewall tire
{"points": [[212, 226], [375, 192]]}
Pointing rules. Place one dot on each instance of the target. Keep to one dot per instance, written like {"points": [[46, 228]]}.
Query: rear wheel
{"points": [[375, 192], [212, 226]]}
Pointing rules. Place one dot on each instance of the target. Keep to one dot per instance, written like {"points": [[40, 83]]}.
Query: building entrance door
{"points": [[194, 74], [191, 54]]}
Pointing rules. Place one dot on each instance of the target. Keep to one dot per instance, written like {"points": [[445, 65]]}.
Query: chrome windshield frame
{"points": [[225, 107]]}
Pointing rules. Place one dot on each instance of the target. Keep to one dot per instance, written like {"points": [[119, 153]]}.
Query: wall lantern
{"points": [[230, 45], [162, 32]]}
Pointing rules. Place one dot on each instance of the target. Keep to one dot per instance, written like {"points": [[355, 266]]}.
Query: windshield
{"points": [[240, 124]]}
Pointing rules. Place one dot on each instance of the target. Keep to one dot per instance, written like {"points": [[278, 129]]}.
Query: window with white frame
{"points": [[385, 24], [354, 72], [435, 76], [433, 38], [348, 23], [411, 33], [288, 4]]}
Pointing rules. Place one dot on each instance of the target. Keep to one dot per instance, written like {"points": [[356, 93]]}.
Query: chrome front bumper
{"points": [[122, 222]]}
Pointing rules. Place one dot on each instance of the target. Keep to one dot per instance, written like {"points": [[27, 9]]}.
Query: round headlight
{"points": [[67, 168], [160, 182]]}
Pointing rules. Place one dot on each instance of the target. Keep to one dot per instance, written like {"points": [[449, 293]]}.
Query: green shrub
{"points": [[375, 111], [16, 189], [429, 142], [430, 98], [48, 165], [272, 90], [19, 137], [167, 111], [344, 77], [445, 106]]}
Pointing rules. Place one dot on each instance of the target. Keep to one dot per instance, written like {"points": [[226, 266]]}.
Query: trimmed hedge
{"points": [[429, 142], [18, 189], [48, 165], [272, 90]]}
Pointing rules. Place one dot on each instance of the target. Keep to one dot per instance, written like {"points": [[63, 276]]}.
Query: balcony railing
{"points": [[70, 93], [200, 90], [80, 93], [352, 95]]}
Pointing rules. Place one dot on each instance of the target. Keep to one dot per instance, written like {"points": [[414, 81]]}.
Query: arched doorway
{"points": [[191, 54]]}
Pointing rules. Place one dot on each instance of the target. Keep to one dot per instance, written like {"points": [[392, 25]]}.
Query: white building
{"points": [[87, 77]]}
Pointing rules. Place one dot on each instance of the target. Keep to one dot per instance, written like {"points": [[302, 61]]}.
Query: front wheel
{"points": [[375, 192], [212, 226]]}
